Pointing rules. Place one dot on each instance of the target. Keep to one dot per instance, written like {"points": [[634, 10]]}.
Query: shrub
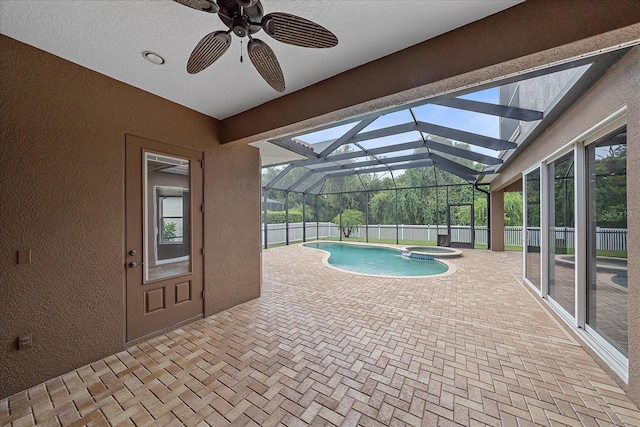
{"points": [[279, 217]]}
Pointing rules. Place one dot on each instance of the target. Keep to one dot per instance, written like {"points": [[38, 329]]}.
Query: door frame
{"points": [[472, 227], [133, 199]]}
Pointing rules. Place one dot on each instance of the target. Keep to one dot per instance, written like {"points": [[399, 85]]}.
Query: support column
{"points": [[304, 219], [366, 216], [397, 240], [265, 221], [340, 216], [286, 217], [497, 221], [317, 219]]}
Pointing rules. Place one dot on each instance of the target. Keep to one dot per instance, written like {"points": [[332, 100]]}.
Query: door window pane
{"points": [[167, 217], [561, 233], [607, 278], [532, 246], [171, 213]]}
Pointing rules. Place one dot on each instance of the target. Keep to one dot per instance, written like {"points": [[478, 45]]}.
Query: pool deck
{"points": [[324, 347]]}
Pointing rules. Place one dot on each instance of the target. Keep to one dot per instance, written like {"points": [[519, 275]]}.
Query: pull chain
{"points": [[240, 50]]}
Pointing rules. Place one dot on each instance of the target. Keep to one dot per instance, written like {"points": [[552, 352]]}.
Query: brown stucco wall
{"points": [[620, 86], [62, 177], [530, 34]]}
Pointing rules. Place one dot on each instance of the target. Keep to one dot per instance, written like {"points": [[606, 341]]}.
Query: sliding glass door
{"points": [[561, 233], [607, 279], [575, 237]]}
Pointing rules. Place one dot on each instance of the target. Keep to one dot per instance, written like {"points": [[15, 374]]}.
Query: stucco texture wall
{"points": [[618, 87], [62, 177]]}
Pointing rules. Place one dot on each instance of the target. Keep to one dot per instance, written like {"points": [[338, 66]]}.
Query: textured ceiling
{"points": [[110, 36]]}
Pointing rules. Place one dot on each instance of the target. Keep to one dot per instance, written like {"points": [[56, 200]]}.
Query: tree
{"points": [[351, 220], [513, 208], [609, 175]]}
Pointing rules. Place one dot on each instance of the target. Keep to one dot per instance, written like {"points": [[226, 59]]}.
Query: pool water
{"points": [[377, 261], [621, 280]]}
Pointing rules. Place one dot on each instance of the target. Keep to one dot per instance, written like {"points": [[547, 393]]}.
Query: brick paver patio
{"points": [[324, 347]]}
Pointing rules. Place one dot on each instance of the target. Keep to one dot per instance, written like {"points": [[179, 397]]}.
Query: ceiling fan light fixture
{"points": [[153, 57], [240, 26]]}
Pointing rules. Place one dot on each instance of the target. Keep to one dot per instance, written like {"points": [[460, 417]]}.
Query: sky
{"points": [[482, 124]]}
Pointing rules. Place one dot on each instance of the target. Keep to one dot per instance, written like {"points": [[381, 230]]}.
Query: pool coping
{"points": [[453, 253], [325, 260]]}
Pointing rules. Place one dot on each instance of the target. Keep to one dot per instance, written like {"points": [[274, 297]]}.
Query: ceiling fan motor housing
{"points": [[239, 18], [246, 3], [240, 26]]}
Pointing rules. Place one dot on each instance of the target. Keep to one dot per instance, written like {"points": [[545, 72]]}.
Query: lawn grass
{"points": [[613, 254]]}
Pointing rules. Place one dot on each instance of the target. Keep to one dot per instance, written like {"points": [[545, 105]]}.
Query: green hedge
{"points": [[279, 217]]}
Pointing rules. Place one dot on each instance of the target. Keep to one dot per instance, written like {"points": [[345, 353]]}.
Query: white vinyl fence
{"points": [[607, 238]]}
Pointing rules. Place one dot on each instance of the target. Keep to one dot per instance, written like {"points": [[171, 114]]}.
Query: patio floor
{"points": [[323, 347]]}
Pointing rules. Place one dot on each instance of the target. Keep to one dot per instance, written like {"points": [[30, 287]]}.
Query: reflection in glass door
{"points": [[167, 218], [607, 278], [561, 233], [532, 236]]}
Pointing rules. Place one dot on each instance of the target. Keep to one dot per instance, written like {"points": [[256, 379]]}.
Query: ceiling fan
{"points": [[245, 18]]}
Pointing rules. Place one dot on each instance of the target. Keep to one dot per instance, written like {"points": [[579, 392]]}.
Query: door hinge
{"points": [[201, 164], [203, 294], [202, 208], [202, 251]]}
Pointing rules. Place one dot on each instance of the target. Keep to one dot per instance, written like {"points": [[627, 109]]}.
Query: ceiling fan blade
{"points": [[297, 31], [266, 63], [208, 50], [203, 5]]}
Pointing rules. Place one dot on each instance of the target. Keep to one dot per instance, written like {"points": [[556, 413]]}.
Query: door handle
{"points": [[133, 264]]}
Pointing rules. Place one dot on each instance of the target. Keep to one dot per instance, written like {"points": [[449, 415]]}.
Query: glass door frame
{"points": [[578, 145], [525, 222], [472, 228], [617, 361]]}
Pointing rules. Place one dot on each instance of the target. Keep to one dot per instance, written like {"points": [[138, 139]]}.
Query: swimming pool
{"points": [[377, 261]]}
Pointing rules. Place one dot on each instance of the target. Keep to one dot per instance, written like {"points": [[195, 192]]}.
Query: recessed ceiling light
{"points": [[153, 57]]}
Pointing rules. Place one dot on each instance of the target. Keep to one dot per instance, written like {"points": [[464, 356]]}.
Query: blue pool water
{"points": [[377, 261]]}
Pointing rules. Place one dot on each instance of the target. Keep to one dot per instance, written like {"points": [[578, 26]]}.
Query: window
{"points": [[171, 219]]}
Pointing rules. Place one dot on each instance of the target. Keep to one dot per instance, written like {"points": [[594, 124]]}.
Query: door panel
{"points": [[460, 224], [607, 269], [561, 205], [163, 236], [533, 261]]}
